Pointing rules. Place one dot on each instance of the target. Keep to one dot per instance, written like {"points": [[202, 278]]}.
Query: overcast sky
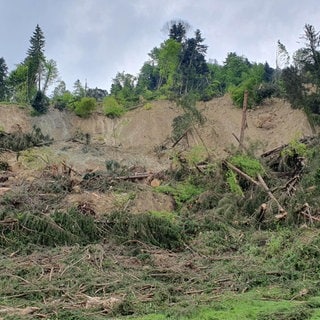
{"points": [[92, 40]]}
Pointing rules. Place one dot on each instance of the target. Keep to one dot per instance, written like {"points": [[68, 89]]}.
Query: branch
{"points": [[232, 167]]}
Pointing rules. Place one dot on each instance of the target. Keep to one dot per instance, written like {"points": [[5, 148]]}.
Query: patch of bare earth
{"points": [[135, 139]]}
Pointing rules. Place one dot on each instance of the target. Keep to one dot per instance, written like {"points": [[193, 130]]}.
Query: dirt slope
{"points": [[132, 139]]}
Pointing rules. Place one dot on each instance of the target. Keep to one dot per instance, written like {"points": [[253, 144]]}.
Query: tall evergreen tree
{"points": [[3, 78], [35, 60]]}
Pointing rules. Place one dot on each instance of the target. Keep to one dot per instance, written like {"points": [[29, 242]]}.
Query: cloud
{"points": [[94, 39]]}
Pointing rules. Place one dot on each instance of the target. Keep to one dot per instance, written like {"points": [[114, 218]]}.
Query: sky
{"points": [[93, 40]]}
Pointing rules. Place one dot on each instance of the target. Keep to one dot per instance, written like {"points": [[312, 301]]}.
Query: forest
{"points": [[176, 70], [225, 237]]}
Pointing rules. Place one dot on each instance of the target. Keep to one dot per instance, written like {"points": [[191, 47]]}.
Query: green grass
{"points": [[251, 305]]}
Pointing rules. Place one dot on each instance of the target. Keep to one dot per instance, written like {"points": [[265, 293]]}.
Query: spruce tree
{"points": [[35, 60], [3, 77]]}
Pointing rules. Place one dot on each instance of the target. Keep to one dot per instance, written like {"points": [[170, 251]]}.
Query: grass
{"points": [[208, 259], [251, 305], [78, 281]]}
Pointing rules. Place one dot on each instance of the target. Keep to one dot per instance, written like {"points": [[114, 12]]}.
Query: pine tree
{"points": [[3, 77], [35, 60]]}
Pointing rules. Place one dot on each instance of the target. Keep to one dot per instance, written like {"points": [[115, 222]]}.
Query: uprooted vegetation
{"points": [[244, 226]]}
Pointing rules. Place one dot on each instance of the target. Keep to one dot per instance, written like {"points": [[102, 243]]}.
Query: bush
{"points": [[85, 106], [40, 103], [112, 108], [62, 102]]}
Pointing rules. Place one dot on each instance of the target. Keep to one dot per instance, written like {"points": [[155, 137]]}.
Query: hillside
{"points": [[132, 139], [81, 240]]}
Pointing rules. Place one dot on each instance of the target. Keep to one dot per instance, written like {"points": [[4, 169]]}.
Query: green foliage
{"points": [[17, 84], [247, 164], [63, 101], [123, 88], [60, 228], [79, 91], [84, 107], [192, 116], [18, 141], [168, 61], [157, 228], [35, 61], [251, 81], [294, 148], [49, 74], [112, 108], [233, 183], [3, 78], [292, 81], [148, 106], [40, 103], [182, 193], [196, 155]]}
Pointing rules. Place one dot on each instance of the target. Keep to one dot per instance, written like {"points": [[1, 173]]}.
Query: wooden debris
{"points": [[244, 119], [155, 183], [3, 190], [19, 311], [261, 183]]}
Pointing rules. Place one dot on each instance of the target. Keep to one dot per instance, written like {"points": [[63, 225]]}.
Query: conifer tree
{"points": [[3, 77], [35, 60]]}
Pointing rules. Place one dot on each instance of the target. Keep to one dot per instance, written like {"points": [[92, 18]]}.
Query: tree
{"points": [[50, 74], [235, 69], [97, 93], [193, 68], [18, 83], [123, 88], [40, 102], [79, 91], [308, 58], [3, 78], [149, 78], [35, 60], [301, 80], [85, 106], [178, 30], [168, 61]]}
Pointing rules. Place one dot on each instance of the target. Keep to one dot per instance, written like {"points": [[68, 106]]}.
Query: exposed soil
{"points": [[135, 139], [100, 276]]}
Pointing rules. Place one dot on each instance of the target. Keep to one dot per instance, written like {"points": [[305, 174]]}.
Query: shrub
{"points": [[62, 102], [112, 108], [40, 103], [85, 106]]}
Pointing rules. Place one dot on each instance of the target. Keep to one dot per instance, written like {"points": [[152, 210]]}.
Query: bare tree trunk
{"points": [[244, 119]]}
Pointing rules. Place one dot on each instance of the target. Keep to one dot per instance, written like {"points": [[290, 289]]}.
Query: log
{"points": [[142, 175], [232, 167], [261, 184], [244, 119], [270, 194]]}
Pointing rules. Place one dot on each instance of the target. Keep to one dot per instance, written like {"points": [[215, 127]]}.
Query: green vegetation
{"points": [[84, 107], [214, 256], [112, 108], [241, 237]]}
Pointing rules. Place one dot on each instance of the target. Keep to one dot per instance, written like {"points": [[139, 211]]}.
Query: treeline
{"points": [[178, 70]]}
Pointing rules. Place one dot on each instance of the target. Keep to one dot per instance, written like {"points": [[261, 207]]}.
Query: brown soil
{"points": [[135, 139]]}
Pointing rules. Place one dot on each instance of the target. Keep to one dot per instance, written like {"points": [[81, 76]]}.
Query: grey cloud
{"points": [[95, 39]]}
